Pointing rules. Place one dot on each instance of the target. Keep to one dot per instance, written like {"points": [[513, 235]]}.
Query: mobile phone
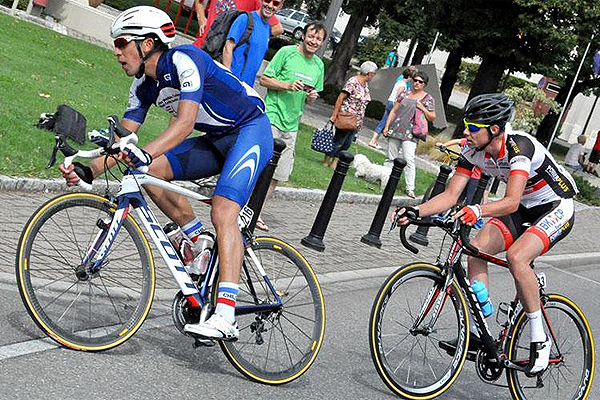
{"points": [[307, 88]]}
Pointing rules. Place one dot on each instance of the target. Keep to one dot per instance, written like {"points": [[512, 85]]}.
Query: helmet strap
{"points": [[491, 137], [143, 57]]}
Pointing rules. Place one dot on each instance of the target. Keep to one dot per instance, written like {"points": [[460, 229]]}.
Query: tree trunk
{"points": [[340, 62], [450, 74], [422, 49], [407, 57], [486, 81]]}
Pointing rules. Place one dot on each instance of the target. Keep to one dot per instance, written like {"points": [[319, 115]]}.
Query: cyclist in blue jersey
{"points": [[201, 95], [537, 210]]}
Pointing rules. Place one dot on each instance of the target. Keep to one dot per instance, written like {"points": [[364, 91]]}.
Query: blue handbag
{"points": [[322, 140]]}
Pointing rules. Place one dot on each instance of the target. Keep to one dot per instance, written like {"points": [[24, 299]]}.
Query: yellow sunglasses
{"points": [[474, 127]]}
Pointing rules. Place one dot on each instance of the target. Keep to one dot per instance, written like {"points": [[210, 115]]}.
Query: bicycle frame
{"points": [[130, 197]]}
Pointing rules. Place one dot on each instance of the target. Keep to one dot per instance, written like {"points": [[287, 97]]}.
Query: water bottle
{"points": [[202, 249], [483, 297], [180, 243]]}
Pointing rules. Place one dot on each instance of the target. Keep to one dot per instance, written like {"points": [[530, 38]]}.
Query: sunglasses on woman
{"points": [[418, 80], [474, 127]]}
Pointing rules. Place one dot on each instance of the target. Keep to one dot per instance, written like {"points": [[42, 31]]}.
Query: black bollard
{"points": [[372, 237], [495, 184], [420, 235], [478, 195], [314, 240], [257, 199]]}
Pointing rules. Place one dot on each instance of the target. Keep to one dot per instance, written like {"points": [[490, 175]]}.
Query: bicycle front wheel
{"points": [[571, 370], [278, 345], [404, 337], [78, 308]]}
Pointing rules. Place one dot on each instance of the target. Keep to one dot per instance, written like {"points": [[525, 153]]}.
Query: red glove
{"points": [[471, 214]]}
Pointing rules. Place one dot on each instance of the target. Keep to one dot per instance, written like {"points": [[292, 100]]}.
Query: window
{"points": [[298, 16], [285, 13]]}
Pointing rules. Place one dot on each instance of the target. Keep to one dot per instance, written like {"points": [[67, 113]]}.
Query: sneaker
{"points": [[216, 327], [475, 344], [540, 352]]}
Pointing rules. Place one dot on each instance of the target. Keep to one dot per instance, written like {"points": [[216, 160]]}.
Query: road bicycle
{"points": [[86, 275], [423, 304]]}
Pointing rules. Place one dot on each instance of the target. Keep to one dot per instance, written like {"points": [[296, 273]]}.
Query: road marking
{"points": [[39, 345], [574, 274]]}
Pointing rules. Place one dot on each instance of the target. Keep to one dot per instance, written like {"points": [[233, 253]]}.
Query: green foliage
{"points": [[467, 73], [588, 193], [373, 49], [330, 93], [524, 97], [375, 109], [122, 4], [275, 44], [21, 6]]}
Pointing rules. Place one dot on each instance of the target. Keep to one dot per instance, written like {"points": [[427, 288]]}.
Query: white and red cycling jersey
{"points": [[522, 154]]}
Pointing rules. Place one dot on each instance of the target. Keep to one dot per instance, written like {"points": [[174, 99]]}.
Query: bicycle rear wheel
{"points": [[407, 357], [276, 347], [95, 311], [571, 370]]}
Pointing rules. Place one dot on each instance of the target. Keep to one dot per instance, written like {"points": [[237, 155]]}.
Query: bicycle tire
{"points": [[107, 308], [572, 377], [407, 372], [287, 342]]}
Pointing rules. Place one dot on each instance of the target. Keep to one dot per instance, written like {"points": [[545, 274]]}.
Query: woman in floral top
{"points": [[407, 124], [352, 101]]}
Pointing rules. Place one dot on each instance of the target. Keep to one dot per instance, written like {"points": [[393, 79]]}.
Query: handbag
{"points": [[322, 140], [346, 121], [420, 125]]}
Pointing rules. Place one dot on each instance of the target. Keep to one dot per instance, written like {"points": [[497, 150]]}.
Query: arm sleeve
{"points": [[191, 76], [138, 105], [464, 166], [237, 29], [520, 153]]}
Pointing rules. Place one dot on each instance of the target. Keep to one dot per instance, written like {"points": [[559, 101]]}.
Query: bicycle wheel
{"points": [[276, 347], [571, 369], [96, 311], [407, 357]]}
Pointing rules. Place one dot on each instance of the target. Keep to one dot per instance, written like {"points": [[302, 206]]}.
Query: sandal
{"points": [[260, 224]]}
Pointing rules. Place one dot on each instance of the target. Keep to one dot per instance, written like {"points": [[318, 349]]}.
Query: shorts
{"points": [[285, 165], [595, 157], [550, 222], [239, 156]]}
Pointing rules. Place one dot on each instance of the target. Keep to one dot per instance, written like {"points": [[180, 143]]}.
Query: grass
{"points": [[52, 69]]}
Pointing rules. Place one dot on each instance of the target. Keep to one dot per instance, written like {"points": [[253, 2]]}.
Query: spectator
{"points": [[575, 158], [245, 60], [594, 157], [402, 84], [201, 15], [294, 76], [216, 7], [391, 61], [351, 102], [405, 125]]}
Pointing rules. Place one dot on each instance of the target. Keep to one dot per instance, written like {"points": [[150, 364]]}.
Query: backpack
{"points": [[217, 34]]}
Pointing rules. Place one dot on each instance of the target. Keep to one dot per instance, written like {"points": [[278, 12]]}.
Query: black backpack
{"points": [[217, 34]]}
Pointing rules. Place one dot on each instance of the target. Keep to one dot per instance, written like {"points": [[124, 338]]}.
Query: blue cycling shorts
{"points": [[239, 156]]}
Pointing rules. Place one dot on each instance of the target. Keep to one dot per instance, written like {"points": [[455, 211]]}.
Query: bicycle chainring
{"points": [[488, 370], [182, 313]]}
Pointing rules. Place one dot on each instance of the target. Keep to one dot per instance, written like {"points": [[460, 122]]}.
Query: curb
{"points": [[284, 193]]}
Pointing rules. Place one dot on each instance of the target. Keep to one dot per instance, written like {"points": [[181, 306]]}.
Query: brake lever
{"points": [[52, 160]]}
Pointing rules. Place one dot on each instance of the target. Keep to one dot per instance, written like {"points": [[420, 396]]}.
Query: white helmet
{"points": [[143, 20]]}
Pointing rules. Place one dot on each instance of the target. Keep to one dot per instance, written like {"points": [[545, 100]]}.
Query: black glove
{"points": [[83, 172]]}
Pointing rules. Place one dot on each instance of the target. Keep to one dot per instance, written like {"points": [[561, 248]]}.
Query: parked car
{"points": [[293, 21]]}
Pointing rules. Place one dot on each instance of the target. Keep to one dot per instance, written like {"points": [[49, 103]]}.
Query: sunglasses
{"points": [[122, 42], [474, 127], [418, 80], [275, 3]]}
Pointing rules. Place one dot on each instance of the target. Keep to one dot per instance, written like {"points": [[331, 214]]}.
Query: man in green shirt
{"points": [[294, 76]]}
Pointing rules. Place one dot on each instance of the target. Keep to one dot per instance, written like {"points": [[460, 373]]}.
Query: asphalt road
{"points": [[160, 363]]}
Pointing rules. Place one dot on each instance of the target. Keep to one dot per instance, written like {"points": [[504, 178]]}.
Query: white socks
{"points": [[536, 326]]}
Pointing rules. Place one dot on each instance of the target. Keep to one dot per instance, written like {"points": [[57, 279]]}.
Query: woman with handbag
{"points": [[349, 111], [407, 124]]}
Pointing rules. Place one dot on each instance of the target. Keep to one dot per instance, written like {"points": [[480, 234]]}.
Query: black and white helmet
{"points": [[489, 108], [141, 21]]}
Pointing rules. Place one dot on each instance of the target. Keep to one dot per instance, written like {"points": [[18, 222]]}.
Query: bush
{"points": [[588, 193], [330, 93], [275, 44], [375, 109], [467, 73]]}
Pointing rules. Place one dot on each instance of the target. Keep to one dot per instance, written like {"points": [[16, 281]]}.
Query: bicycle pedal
{"points": [[203, 342]]}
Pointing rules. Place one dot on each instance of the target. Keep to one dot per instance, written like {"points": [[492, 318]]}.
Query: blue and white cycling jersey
{"points": [[187, 73]]}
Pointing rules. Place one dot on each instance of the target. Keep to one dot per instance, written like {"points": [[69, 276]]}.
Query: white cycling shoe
{"points": [[540, 351], [216, 327]]}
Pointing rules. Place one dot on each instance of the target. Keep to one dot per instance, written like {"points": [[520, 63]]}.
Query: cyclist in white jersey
{"points": [[538, 191], [201, 95]]}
